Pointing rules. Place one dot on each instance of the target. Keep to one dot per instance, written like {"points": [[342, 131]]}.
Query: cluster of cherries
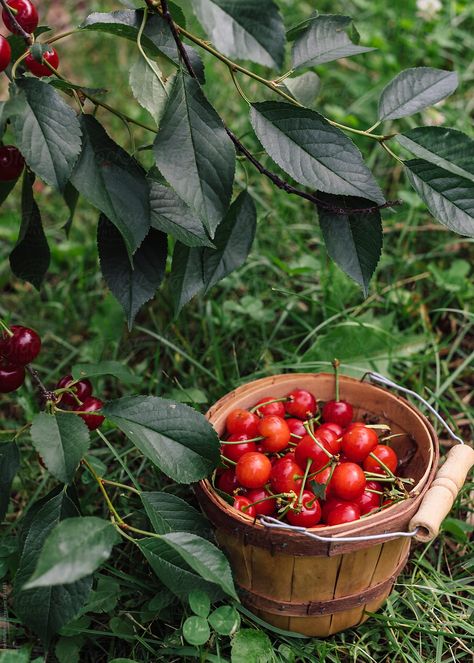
{"points": [[19, 346], [26, 16], [280, 460]]}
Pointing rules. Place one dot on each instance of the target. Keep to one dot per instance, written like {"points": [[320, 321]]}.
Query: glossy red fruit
{"points": [[39, 68], [309, 513], [332, 426], [11, 163], [322, 478], [235, 451], [387, 455], [278, 409], [348, 481], [275, 432], [91, 404], [344, 512], [286, 476], [244, 505], [5, 53], [26, 16], [265, 508], [368, 501], [330, 437], [11, 377], [296, 427], [308, 448], [301, 404], [242, 422], [82, 389], [21, 348], [227, 482], [358, 442], [253, 470], [338, 412]]}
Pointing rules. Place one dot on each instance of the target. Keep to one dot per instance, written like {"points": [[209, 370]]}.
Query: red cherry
{"points": [[286, 476], [275, 432], [387, 455], [338, 412], [11, 163], [296, 427], [265, 508], [235, 451], [11, 377], [38, 68], [278, 409], [240, 502], [253, 470], [322, 478], [343, 512], [368, 501], [332, 426], [348, 481], [301, 404], [358, 442], [242, 422], [82, 389], [26, 16], [227, 482], [5, 53], [21, 348], [310, 513], [91, 404], [330, 437], [308, 448]]}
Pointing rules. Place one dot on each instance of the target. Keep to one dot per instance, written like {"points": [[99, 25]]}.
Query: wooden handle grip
{"points": [[439, 498]]}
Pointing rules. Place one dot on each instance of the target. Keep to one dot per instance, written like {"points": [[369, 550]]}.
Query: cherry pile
{"points": [[307, 466]]}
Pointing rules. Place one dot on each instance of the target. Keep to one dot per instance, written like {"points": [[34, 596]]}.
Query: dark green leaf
{"points": [[110, 179], [327, 38], [74, 549], [353, 240], [116, 368], [61, 440], [415, 89], [176, 438], [9, 464], [71, 196], [168, 513], [131, 285], [5, 189], [251, 646], [194, 153], [297, 29], [449, 197], [171, 215], [47, 131], [199, 602], [30, 258], [196, 630], [251, 30], [104, 598], [149, 86], [225, 620], [187, 279], [16, 655], [68, 650], [304, 88], [314, 153], [196, 63]]}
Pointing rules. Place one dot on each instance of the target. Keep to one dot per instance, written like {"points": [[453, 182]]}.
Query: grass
{"points": [[288, 309]]}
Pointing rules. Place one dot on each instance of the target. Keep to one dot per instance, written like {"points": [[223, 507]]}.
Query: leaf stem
{"points": [[124, 486], [98, 479]]}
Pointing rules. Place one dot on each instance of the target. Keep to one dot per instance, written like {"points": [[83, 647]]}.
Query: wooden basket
{"points": [[308, 586]]}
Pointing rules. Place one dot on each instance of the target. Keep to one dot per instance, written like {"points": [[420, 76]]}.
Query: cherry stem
{"points": [[336, 364], [313, 474], [18, 28], [6, 328], [95, 413], [371, 490], [300, 437], [228, 460], [311, 434], [121, 485], [265, 499], [382, 465], [309, 462], [390, 437], [253, 439], [274, 400]]}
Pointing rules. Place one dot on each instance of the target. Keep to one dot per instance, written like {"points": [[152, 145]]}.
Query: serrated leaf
{"points": [[196, 630], [168, 513], [199, 602], [187, 278], [150, 88], [251, 646], [249, 29], [47, 132], [225, 620], [9, 464], [327, 38], [202, 170], [30, 257], [116, 368], [307, 147], [131, 284], [415, 89], [353, 240], [171, 215], [449, 197], [176, 438], [447, 148], [303, 88], [74, 549], [110, 179], [61, 440]]}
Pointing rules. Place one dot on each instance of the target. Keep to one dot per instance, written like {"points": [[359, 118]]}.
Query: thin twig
{"points": [[46, 394]]}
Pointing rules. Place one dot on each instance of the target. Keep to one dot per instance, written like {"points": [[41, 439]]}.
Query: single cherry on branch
{"points": [[337, 411], [22, 346], [5, 53], [25, 14], [11, 163], [39, 68], [91, 405], [11, 377]]}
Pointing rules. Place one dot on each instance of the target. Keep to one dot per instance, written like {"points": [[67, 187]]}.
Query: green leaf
{"points": [[47, 132], [131, 285], [74, 549], [105, 597], [186, 279], [15, 655], [150, 88], [449, 197], [251, 646], [71, 196], [111, 180], [415, 89], [194, 152], [68, 650], [46, 609], [61, 440], [447, 148], [225, 620], [30, 257], [251, 30], [176, 438], [460, 530], [196, 630], [168, 513], [6, 188], [9, 464], [307, 147], [353, 240], [171, 215], [303, 88], [327, 38], [116, 368], [199, 602]]}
